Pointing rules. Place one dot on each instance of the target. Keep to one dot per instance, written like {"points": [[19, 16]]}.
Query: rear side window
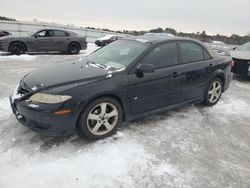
{"points": [[190, 52], [59, 33], [163, 56], [206, 55]]}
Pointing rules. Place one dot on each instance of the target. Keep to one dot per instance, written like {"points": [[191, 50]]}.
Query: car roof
{"points": [[152, 39], [158, 39]]}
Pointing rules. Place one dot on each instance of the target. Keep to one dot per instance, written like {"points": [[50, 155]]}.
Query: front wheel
{"points": [[214, 92], [100, 119]]}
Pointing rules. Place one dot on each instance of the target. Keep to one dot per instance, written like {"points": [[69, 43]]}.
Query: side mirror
{"points": [[144, 68], [35, 35]]}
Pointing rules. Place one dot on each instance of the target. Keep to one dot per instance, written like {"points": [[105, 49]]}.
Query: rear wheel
{"points": [[101, 118], [213, 93], [74, 48], [17, 48]]}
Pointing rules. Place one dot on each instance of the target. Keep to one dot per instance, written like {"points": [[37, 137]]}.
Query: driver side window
{"points": [[162, 56], [45, 33], [41, 34]]}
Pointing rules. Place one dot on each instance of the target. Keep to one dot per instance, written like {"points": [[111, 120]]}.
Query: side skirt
{"points": [[179, 105]]}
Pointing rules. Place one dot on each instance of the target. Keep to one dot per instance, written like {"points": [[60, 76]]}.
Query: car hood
{"points": [[245, 55], [63, 73]]}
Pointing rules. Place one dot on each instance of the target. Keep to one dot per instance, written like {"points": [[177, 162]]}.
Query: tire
{"points": [[100, 119], [213, 92], [74, 48], [17, 48]]}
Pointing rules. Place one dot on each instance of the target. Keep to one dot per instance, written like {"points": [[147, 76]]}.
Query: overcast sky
{"points": [[213, 16]]}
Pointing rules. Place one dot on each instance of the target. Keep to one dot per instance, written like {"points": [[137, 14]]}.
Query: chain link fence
{"points": [[24, 28]]}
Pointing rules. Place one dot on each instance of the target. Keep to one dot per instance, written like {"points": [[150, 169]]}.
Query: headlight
{"points": [[48, 98]]}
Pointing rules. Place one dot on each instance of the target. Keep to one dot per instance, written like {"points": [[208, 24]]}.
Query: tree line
{"points": [[202, 36], [6, 19]]}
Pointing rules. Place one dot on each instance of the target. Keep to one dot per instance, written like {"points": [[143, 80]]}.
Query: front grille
{"points": [[240, 66]]}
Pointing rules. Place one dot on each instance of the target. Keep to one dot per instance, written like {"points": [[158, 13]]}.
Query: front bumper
{"points": [[43, 120]]}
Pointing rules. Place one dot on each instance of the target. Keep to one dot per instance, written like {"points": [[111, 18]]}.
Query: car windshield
{"points": [[244, 47], [118, 54]]}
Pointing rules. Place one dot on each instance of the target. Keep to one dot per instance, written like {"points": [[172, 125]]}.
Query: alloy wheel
{"points": [[102, 119], [214, 92]]}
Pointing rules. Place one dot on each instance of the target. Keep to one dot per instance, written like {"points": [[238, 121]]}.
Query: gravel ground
{"points": [[195, 146]]}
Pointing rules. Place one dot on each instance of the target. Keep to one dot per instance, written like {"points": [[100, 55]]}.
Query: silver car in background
{"points": [[46, 40]]}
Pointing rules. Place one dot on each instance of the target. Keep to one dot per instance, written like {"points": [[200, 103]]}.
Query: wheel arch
{"points": [[222, 77], [74, 42], [109, 95]]}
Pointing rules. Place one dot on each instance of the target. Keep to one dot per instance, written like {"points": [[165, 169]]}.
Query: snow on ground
{"points": [[194, 146], [24, 57]]}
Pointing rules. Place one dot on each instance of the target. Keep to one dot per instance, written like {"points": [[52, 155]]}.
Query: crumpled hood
{"points": [[238, 54], [68, 72]]}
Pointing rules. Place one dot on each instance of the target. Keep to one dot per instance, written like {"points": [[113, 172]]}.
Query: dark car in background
{"points": [[241, 57], [103, 41], [125, 80], [4, 33], [46, 40]]}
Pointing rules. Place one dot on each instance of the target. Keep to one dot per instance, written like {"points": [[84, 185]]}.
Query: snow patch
{"points": [[231, 106], [16, 95], [34, 88], [5, 109], [106, 163], [24, 57], [33, 105]]}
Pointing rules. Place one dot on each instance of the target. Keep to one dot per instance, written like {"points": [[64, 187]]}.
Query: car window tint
{"points": [[49, 33], [190, 52], [59, 33], [41, 34], [163, 56]]}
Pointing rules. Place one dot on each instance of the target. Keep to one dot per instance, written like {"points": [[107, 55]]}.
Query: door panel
{"points": [[44, 43], [195, 79], [60, 43], [195, 70], [154, 90]]}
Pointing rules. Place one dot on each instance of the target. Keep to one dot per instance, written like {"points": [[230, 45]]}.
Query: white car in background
{"points": [[103, 41], [160, 34], [241, 57]]}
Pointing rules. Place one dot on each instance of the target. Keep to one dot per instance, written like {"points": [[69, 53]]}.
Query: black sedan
{"points": [[241, 57], [4, 33], [46, 40], [103, 41], [123, 81]]}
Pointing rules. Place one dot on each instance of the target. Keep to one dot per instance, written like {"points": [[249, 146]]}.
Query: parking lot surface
{"points": [[195, 146]]}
